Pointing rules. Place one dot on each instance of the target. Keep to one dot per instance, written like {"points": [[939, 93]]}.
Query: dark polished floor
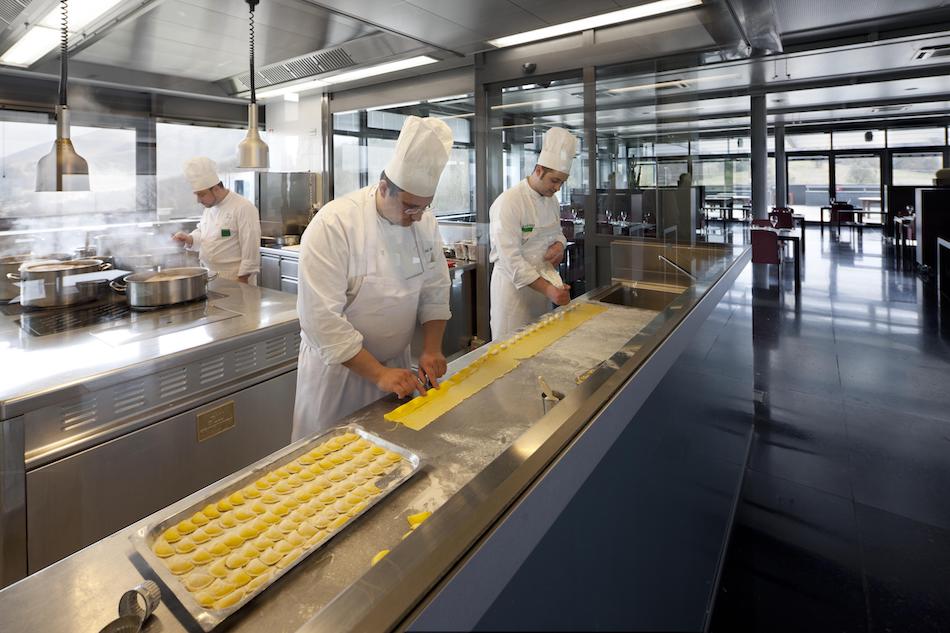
{"points": [[844, 520]]}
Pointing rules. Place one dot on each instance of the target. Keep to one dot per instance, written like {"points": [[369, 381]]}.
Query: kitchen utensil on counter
{"points": [[47, 283], [167, 287], [268, 241], [288, 240], [10, 264], [135, 607]]}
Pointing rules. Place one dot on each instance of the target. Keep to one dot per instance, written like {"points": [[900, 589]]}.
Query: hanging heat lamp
{"points": [[62, 169], [252, 151]]}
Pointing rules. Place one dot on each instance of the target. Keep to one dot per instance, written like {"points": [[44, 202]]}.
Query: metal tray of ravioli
{"points": [[144, 538]]}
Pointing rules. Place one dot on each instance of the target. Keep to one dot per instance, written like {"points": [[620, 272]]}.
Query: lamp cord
{"points": [[64, 48], [250, 4]]}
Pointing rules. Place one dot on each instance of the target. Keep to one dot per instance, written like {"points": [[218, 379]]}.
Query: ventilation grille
{"points": [[212, 370], [129, 397], [245, 360], [78, 414], [297, 68], [172, 383], [9, 9], [295, 345], [932, 51], [275, 348]]}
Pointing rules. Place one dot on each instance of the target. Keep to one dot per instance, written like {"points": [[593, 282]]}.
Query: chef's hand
{"points": [[183, 237], [432, 366], [560, 296], [401, 382], [555, 254]]}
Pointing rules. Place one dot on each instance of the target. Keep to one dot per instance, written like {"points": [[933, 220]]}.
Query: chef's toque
{"points": [[557, 150], [422, 151], [201, 173]]}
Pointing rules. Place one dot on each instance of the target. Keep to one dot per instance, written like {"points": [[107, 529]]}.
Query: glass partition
{"points": [[915, 169]]}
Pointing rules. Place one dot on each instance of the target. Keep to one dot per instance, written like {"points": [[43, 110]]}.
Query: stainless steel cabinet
{"points": [[270, 272]]}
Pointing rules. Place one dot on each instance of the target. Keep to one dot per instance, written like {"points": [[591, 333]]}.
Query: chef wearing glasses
{"points": [[371, 268]]}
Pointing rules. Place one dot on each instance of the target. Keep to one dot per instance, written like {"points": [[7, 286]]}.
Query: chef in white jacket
{"points": [[526, 240], [371, 268], [228, 236]]}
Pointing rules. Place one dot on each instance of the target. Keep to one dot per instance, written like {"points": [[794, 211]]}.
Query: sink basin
{"points": [[640, 297]]}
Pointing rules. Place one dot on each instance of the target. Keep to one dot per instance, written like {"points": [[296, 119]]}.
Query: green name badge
{"points": [[225, 232], [527, 228]]}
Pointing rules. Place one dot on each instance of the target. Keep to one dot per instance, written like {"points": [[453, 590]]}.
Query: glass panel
{"points": [[798, 142], [916, 137], [361, 153], [176, 143], [858, 182], [916, 170], [858, 139], [808, 183], [346, 164]]}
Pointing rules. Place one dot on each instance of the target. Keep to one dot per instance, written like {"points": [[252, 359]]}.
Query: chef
{"points": [[228, 237], [527, 244], [371, 267]]}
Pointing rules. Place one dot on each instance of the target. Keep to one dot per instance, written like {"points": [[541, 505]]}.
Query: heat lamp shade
{"points": [[62, 169], [253, 152]]}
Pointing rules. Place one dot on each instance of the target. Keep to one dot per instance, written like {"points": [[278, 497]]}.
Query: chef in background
{"points": [[228, 237], [527, 244], [371, 268]]}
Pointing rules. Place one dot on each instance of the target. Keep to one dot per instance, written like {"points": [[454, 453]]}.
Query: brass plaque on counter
{"points": [[215, 421]]}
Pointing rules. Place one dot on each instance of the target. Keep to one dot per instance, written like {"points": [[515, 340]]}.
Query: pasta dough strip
{"points": [[499, 360]]}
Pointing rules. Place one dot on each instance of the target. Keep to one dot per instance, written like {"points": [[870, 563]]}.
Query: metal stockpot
{"points": [[167, 287], [10, 264], [43, 283]]}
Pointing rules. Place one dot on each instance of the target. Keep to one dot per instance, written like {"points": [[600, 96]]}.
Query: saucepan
{"points": [[167, 287], [45, 284]]}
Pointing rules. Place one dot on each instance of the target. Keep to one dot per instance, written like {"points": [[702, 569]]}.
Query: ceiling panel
{"points": [[803, 15], [208, 39]]}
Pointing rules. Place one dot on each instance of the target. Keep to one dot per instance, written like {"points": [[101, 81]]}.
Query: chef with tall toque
{"points": [[527, 244], [228, 236], [371, 269]]}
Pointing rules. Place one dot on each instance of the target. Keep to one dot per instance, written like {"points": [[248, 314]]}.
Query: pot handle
{"points": [[119, 287], [105, 266], [213, 275], [13, 277]]}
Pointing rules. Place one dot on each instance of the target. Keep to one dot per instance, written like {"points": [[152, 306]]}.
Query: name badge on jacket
{"points": [[225, 232]]}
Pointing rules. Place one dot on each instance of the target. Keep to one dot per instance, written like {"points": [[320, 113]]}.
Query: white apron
{"points": [[384, 311], [217, 253], [513, 308]]}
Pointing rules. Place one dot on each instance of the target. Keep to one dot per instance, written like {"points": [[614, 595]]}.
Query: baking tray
{"points": [[144, 538]]}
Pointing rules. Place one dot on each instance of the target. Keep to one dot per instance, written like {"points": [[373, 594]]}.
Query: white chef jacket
{"points": [[348, 253], [228, 238], [516, 215]]}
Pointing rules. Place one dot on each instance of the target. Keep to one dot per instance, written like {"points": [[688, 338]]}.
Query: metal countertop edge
{"points": [[390, 592]]}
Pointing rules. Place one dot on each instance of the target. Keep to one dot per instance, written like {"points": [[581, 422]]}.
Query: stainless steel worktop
{"points": [[480, 456], [35, 368]]}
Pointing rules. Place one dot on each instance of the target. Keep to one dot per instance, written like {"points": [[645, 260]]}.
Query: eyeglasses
{"points": [[416, 210]]}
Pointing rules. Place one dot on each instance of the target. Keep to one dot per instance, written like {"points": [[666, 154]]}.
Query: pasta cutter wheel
{"points": [[131, 613]]}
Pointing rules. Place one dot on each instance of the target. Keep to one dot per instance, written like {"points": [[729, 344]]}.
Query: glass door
{"points": [[809, 181], [858, 182]]}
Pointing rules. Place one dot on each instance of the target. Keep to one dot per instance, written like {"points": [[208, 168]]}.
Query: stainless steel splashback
{"points": [[287, 200]]}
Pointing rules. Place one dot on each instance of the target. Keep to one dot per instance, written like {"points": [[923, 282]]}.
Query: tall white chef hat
{"points": [[557, 150], [422, 151], [201, 173]]}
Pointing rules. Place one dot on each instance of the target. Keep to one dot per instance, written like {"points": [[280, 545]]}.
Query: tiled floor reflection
{"points": [[844, 523]]}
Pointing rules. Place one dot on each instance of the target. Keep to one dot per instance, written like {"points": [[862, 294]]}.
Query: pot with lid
{"points": [[165, 287], [47, 283]]}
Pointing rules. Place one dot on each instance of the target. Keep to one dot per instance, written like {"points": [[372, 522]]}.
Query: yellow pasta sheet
{"points": [[500, 359]]}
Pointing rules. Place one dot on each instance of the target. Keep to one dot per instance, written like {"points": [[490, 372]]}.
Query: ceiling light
{"points": [[457, 116], [522, 103], [253, 152], [597, 21], [62, 169], [404, 104], [43, 36], [673, 83], [450, 98], [291, 90], [380, 69]]}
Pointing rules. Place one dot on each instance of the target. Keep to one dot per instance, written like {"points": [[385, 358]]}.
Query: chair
{"points": [[783, 219], [765, 247]]}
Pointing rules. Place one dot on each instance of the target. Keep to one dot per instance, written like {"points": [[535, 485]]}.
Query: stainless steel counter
{"points": [[481, 457]]}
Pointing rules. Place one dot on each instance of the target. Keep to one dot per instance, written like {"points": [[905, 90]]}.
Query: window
{"points": [[858, 139], [176, 143], [915, 170], [916, 137], [346, 164], [799, 142], [110, 153]]}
